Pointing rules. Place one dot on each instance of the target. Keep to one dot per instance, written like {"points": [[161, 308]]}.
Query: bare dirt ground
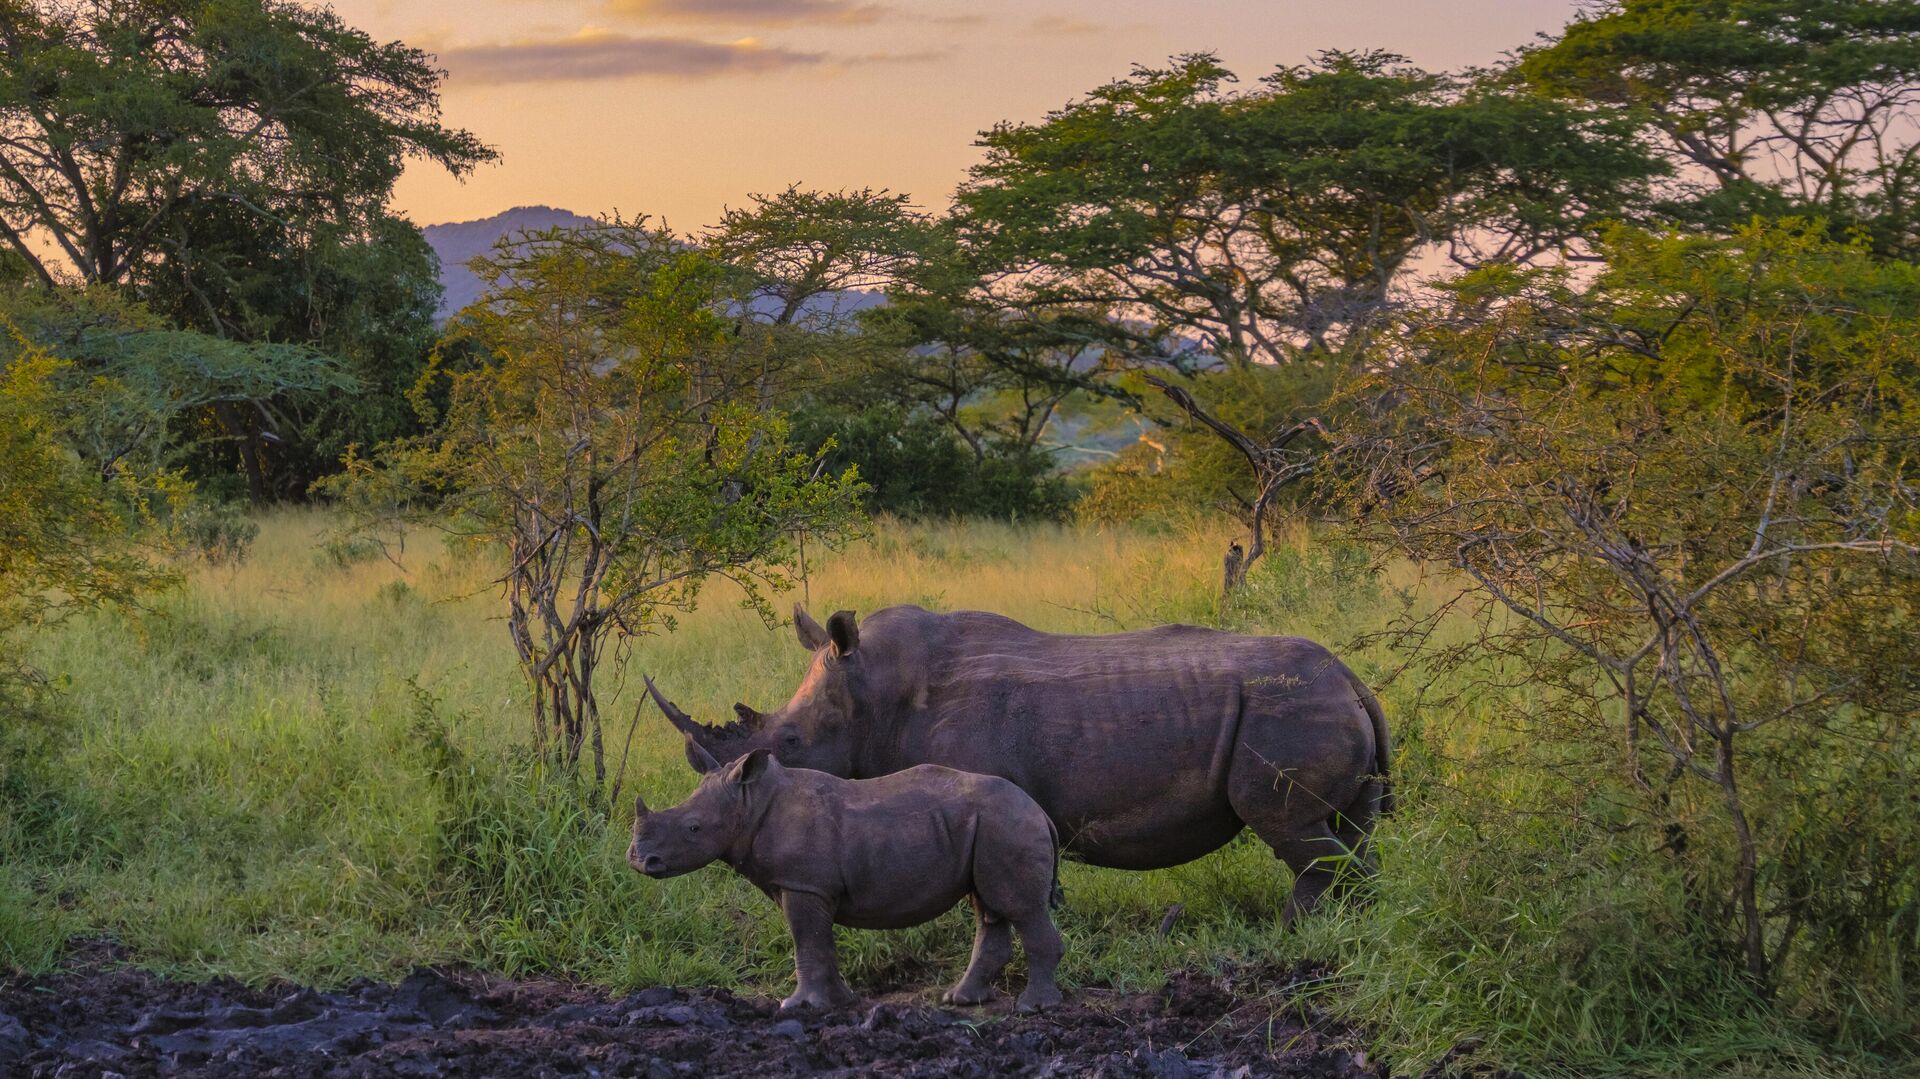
{"points": [[103, 1018]]}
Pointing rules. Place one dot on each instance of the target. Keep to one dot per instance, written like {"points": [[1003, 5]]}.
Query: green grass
{"points": [[302, 766], [310, 766]]}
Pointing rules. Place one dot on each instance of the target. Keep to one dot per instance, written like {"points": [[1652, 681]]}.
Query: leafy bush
{"points": [[1183, 471], [918, 468], [213, 529], [70, 539], [1684, 493], [341, 550]]}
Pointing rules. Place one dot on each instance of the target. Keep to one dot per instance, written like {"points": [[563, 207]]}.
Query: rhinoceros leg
{"points": [[1014, 866], [816, 966], [992, 951], [1044, 949], [1333, 856], [1314, 858], [1295, 808]]}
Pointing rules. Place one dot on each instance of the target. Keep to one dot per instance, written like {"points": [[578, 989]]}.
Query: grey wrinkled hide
{"points": [[873, 854], [1147, 749]]}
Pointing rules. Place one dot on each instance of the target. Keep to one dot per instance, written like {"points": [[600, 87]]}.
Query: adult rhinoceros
{"points": [[1147, 749]]}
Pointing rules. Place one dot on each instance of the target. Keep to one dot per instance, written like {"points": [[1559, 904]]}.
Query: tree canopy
{"points": [[121, 120], [1773, 107], [1259, 226]]}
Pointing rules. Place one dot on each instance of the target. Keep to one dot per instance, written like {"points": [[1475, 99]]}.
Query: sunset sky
{"points": [[681, 107]]}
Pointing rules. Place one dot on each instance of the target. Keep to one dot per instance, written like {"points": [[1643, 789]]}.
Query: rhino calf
{"points": [[882, 853]]}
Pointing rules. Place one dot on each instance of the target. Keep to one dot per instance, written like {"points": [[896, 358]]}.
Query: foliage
{"points": [[914, 467], [1774, 107], [1193, 227], [1196, 471], [610, 447], [939, 399], [69, 539], [231, 164], [363, 299], [1690, 487], [125, 119], [217, 530], [137, 390]]}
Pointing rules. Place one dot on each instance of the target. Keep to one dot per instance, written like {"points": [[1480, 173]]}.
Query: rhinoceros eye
{"points": [[693, 827]]}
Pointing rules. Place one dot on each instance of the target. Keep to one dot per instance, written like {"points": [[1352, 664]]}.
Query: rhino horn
{"points": [[639, 806], [747, 715], [686, 723], [697, 733]]}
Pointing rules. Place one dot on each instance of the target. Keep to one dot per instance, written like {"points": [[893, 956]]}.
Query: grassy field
{"points": [[308, 765]]}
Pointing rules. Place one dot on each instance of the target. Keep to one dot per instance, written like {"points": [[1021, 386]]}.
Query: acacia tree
{"points": [[1212, 229], [860, 302], [993, 372], [1769, 107], [1693, 486], [131, 381], [607, 441], [808, 249], [166, 148]]}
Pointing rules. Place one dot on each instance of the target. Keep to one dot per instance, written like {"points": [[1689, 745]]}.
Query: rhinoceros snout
{"points": [[653, 866], [643, 863]]}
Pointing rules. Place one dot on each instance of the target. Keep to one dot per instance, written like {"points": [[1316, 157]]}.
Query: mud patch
{"points": [[103, 1020]]}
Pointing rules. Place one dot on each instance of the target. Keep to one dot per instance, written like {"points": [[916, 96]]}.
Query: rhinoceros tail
{"points": [[1382, 744]]}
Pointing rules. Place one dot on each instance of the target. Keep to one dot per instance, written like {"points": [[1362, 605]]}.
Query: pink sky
{"points": [[677, 108]]}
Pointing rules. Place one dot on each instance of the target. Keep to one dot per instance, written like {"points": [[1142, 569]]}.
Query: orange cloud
{"points": [[594, 55], [759, 12], [1065, 24]]}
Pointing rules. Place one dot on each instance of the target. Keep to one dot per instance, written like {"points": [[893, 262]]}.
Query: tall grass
{"points": [[305, 765], [309, 765]]}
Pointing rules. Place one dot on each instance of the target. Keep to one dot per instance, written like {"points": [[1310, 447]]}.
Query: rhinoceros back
{"points": [[1119, 736]]}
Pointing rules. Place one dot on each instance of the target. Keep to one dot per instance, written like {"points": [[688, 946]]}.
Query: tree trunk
{"points": [[1234, 570], [1746, 868], [1272, 470], [247, 441]]}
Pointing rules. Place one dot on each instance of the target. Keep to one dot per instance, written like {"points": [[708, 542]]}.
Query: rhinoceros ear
{"points": [[812, 637], [845, 633], [750, 767]]}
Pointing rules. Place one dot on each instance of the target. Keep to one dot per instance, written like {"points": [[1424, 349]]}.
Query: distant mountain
{"points": [[459, 241]]}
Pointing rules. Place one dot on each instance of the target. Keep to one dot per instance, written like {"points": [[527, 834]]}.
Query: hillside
{"points": [[459, 241]]}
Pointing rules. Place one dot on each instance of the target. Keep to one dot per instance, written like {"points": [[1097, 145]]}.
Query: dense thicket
{"points": [[1688, 487]]}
